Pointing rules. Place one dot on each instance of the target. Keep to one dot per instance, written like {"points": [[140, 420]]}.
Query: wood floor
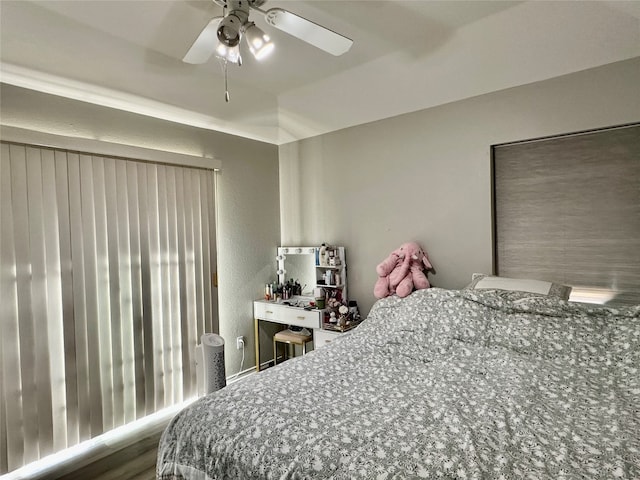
{"points": [[136, 462]]}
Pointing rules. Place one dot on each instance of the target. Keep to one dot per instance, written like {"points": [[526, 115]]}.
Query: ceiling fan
{"points": [[222, 35]]}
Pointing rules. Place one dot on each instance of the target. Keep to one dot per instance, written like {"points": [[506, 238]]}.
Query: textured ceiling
{"points": [[407, 55]]}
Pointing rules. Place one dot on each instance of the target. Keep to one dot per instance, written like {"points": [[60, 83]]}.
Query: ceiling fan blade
{"points": [[310, 32], [205, 44]]}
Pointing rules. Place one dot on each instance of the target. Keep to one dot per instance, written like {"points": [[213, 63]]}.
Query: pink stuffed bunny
{"points": [[402, 271]]}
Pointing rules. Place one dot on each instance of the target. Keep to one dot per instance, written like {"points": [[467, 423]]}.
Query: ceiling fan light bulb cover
{"points": [[221, 50], [231, 54], [263, 52], [229, 31], [259, 42]]}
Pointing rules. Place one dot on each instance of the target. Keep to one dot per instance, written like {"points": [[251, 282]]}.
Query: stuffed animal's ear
{"points": [[426, 261]]}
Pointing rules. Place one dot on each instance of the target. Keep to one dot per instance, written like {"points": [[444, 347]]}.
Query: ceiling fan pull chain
{"points": [[226, 86]]}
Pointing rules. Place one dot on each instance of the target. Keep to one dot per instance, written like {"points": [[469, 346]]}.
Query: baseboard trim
{"points": [[79, 456]]}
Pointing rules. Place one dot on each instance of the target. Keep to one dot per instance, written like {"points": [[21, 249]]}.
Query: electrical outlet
{"points": [[240, 343]]}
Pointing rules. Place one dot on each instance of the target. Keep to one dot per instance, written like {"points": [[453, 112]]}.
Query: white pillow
{"points": [[481, 281]]}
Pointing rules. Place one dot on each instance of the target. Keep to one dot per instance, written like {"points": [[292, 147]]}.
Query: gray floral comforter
{"points": [[441, 384]]}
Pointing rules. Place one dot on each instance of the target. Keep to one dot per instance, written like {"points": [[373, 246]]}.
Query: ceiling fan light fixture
{"points": [[229, 30], [231, 54], [259, 42]]}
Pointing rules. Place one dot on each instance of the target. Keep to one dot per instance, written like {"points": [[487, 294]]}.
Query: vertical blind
{"points": [[106, 269]]}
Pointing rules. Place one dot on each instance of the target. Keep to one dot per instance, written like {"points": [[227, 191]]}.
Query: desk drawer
{"points": [[323, 337], [286, 315]]}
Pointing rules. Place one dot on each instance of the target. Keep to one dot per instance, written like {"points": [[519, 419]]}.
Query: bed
{"points": [[456, 384]]}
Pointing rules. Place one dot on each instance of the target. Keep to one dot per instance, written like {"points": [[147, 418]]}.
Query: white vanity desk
{"points": [[309, 266], [275, 312]]}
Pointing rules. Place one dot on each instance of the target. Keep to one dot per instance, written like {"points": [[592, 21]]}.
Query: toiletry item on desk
{"points": [[322, 255]]}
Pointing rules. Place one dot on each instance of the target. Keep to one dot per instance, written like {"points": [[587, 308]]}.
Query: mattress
{"points": [[440, 384]]}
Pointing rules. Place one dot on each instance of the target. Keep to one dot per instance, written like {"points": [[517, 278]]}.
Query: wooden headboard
{"points": [[567, 209]]}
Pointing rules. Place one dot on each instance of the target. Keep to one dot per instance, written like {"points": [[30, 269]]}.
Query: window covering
{"points": [[567, 209], [106, 285]]}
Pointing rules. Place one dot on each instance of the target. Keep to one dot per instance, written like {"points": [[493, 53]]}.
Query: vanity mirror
{"points": [[320, 271], [297, 263]]}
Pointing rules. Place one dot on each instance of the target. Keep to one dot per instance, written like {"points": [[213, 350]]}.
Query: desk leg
{"points": [[257, 342]]}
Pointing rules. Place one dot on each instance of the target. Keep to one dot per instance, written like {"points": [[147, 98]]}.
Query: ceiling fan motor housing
{"points": [[240, 4]]}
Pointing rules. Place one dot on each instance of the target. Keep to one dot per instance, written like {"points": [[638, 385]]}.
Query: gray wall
{"points": [[425, 176], [422, 176], [248, 210]]}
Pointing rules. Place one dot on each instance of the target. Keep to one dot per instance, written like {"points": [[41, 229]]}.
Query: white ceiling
{"points": [[407, 56]]}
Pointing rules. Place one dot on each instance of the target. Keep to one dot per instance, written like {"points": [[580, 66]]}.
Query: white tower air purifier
{"points": [[213, 360]]}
